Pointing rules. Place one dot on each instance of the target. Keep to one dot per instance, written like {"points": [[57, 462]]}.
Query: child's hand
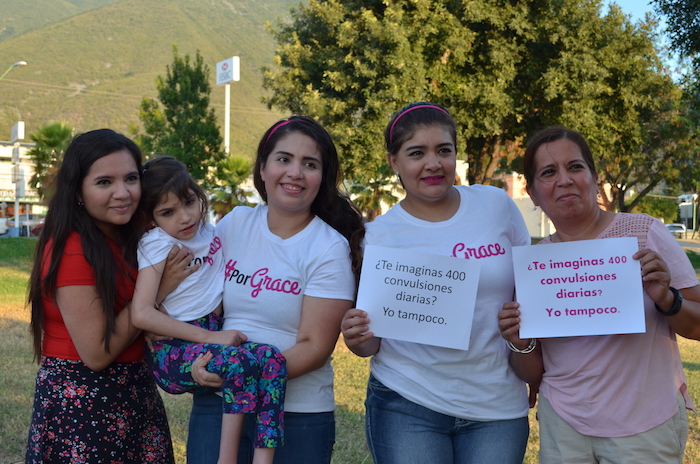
{"points": [[227, 337], [151, 337]]}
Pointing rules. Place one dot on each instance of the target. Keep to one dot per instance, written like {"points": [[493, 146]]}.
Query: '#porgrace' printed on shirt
{"points": [[214, 247], [260, 280]]}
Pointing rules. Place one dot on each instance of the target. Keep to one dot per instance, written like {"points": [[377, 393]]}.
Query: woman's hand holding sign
{"points": [[509, 324], [358, 339], [656, 277]]}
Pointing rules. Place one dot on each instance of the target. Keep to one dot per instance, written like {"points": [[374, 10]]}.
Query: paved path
{"points": [[690, 244]]}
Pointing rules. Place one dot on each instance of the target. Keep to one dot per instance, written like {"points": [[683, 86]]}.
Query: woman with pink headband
{"points": [[427, 404], [288, 281]]}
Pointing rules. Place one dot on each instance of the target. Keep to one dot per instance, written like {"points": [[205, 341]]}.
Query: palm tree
{"points": [[231, 173], [369, 197], [51, 141]]}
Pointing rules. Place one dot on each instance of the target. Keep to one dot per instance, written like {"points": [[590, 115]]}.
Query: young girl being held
{"points": [[254, 375]]}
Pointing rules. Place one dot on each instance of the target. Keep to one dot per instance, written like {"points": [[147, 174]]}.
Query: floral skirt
{"points": [[83, 416]]}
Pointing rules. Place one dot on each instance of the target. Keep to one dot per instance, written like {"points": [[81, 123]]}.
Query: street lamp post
{"points": [[19, 63]]}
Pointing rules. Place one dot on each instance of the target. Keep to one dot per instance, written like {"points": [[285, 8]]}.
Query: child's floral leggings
{"points": [[254, 377]]}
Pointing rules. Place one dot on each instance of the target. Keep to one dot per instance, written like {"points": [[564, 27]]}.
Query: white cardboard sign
{"points": [[587, 287], [419, 297]]}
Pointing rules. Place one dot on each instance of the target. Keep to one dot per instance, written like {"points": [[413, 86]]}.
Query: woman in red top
{"points": [[95, 400]]}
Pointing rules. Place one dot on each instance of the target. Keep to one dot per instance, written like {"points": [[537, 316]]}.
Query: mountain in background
{"points": [[91, 62], [18, 17]]}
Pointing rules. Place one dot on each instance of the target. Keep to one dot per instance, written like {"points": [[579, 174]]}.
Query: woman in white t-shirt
{"points": [[427, 404], [288, 281], [174, 209]]}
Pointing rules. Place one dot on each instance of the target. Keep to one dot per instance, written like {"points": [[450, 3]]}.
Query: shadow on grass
{"points": [[691, 366], [350, 444]]}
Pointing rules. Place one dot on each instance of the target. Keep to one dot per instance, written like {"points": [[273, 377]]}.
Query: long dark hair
{"points": [[330, 204], [163, 175], [65, 216]]}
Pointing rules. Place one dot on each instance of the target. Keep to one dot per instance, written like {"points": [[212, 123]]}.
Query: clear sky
{"points": [[636, 8]]}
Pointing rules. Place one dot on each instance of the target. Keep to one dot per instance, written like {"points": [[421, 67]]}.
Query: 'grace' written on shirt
{"points": [[214, 247], [460, 250], [260, 280]]}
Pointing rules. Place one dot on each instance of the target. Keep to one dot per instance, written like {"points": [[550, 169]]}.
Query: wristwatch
{"points": [[675, 307]]}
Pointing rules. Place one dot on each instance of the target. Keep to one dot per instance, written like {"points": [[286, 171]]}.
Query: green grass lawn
{"points": [[17, 371]]}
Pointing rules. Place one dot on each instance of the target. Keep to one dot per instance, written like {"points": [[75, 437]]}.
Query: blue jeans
{"points": [[400, 431], [308, 438]]}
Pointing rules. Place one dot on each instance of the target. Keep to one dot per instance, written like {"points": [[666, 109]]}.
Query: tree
{"points": [[683, 26], [659, 207], [231, 173], [503, 68], [186, 127], [370, 196], [51, 141], [351, 64], [606, 80], [683, 17]]}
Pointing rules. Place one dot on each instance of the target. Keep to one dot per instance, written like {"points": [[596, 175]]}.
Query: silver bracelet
{"points": [[530, 347]]}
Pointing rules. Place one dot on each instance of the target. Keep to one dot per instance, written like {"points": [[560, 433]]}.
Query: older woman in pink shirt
{"points": [[607, 398]]}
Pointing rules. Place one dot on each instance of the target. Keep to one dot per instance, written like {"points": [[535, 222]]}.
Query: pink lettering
{"points": [[260, 280], [484, 251], [230, 267], [215, 245]]}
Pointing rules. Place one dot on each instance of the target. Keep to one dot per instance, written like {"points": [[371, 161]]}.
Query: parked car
{"points": [[36, 230], [3, 226], [678, 230]]}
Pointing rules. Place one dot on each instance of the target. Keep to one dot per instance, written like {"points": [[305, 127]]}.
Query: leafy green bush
{"points": [[662, 208]]}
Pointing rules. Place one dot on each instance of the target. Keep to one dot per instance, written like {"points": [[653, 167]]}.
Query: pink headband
{"points": [[274, 129], [401, 115]]}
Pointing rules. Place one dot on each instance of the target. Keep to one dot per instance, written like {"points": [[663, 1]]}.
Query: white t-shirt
{"points": [[200, 293], [477, 384], [266, 278]]}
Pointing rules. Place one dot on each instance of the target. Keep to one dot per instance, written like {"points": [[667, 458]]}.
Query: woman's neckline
{"points": [[429, 212], [590, 232], [286, 227]]}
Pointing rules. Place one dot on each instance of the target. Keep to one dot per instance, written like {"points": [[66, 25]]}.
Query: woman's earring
{"points": [[80, 203]]}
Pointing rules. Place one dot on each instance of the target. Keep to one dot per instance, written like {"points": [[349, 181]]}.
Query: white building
{"points": [[538, 224], [29, 208]]}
